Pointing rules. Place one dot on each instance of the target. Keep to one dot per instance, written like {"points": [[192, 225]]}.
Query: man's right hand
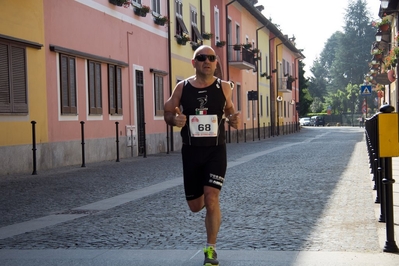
{"points": [[180, 119]]}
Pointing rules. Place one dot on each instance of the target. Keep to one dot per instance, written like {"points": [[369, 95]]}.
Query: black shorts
{"points": [[203, 166]]}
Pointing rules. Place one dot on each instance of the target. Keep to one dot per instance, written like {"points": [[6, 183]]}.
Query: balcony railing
{"points": [[242, 59]]}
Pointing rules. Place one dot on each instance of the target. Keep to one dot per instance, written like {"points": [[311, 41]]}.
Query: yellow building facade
{"points": [[23, 82]]}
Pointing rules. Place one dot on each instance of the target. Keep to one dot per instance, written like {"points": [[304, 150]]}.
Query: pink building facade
{"points": [[107, 76]]}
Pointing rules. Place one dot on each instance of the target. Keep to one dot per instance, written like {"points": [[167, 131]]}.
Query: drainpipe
{"points": [[201, 21], [277, 83], [257, 77], [296, 88], [227, 55], [227, 41], [272, 105], [169, 133]]}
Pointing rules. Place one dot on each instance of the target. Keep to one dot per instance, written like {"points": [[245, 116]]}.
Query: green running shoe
{"points": [[211, 258]]}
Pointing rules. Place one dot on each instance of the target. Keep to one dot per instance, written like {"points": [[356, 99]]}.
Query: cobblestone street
{"points": [[306, 192]]}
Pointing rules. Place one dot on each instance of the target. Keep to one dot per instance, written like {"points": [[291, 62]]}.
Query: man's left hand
{"points": [[234, 120]]}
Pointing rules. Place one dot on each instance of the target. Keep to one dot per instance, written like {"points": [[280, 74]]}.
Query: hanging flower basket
{"points": [[391, 75], [385, 23], [161, 20], [182, 39], [247, 45], [220, 43], [207, 35], [119, 2], [237, 47], [141, 11], [384, 27], [195, 45]]}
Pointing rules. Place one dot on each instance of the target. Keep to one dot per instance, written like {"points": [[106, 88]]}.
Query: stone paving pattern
{"points": [[313, 192]]}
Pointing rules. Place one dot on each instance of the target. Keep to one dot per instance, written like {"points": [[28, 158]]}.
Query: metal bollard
{"points": [[245, 132], [117, 141], [387, 181], [34, 146], [82, 130]]}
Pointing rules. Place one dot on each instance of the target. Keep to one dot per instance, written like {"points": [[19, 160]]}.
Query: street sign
{"points": [[252, 95], [365, 90]]}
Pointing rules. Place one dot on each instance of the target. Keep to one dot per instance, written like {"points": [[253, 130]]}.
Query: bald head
{"points": [[204, 49]]}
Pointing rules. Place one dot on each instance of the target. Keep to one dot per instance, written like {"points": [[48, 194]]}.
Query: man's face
{"points": [[205, 61]]}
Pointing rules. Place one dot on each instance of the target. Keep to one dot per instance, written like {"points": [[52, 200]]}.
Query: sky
{"points": [[295, 18]]}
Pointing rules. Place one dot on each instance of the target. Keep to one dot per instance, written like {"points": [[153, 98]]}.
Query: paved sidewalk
{"points": [[88, 220]]}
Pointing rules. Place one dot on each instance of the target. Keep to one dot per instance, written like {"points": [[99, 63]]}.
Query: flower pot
{"points": [[159, 22], [391, 75], [384, 27], [237, 47], [220, 44], [206, 36], [139, 12], [181, 42], [378, 56], [116, 2]]}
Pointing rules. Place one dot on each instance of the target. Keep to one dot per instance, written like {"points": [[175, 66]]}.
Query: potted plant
{"points": [[195, 45], [161, 20], [384, 24], [255, 50], [377, 53], [237, 47], [290, 78], [220, 43], [247, 45], [182, 39], [120, 2], [207, 35], [141, 11]]}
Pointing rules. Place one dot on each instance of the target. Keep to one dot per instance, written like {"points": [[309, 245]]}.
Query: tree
{"points": [[344, 59], [317, 105], [354, 53], [304, 96]]}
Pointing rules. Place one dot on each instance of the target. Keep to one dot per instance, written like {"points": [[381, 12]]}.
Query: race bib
{"points": [[203, 125]]}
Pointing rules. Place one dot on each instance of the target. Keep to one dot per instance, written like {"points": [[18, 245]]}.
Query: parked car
{"points": [[304, 121], [317, 121]]}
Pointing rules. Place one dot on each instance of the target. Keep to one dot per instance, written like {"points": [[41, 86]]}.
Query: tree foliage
{"points": [[344, 60]]}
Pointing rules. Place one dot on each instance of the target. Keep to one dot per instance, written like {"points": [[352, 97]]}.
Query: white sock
{"points": [[211, 245]]}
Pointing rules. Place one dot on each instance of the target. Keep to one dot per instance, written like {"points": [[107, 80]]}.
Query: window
{"points": [[267, 106], [95, 98], [158, 94], [115, 89], [248, 107], [13, 89], [68, 84], [284, 69], [267, 65], [261, 105], [180, 26], [179, 8], [285, 108], [156, 6], [217, 27], [195, 34], [238, 86]]}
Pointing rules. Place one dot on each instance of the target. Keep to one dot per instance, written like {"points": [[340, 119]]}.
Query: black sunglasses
{"points": [[203, 57]]}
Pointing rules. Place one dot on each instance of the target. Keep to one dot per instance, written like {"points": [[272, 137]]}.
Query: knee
{"points": [[196, 205], [211, 201]]}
